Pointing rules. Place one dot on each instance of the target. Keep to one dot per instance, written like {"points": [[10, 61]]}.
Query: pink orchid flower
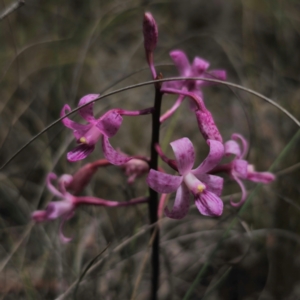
{"points": [[192, 89], [198, 68], [87, 135], [65, 207], [239, 168], [205, 188]]}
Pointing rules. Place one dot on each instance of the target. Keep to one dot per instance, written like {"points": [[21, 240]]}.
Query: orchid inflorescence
{"points": [[203, 182]]}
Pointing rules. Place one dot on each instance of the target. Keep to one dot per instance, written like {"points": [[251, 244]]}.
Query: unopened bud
{"points": [[81, 178], [207, 126], [150, 32]]}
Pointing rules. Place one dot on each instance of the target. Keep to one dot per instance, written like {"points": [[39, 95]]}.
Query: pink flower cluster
{"points": [[201, 182]]}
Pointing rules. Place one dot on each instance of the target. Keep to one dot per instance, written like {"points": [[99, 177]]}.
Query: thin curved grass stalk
{"points": [[16, 5], [291, 116], [215, 286], [94, 269], [288, 170], [143, 264], [90, 264]]}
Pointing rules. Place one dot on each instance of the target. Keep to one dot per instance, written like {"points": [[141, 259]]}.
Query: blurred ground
{"points": [[55, 52]]}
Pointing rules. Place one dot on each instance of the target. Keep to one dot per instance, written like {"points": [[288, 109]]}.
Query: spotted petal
{"points": [[209, 204], [216, 152], [199, 66], [240, 168], [80, 152], [213, 183], [163, 183], [181, 62], [185, 154], [87, 111], [181, 203], [79, 130], [113, 156], [110, 123], [213, 74], [217, 74], [232, 147]]}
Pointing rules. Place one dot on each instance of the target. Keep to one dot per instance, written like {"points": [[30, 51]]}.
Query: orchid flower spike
{"points": [[150, 32], [89, 134], [239, 168], [205, 188], [64, 208]]}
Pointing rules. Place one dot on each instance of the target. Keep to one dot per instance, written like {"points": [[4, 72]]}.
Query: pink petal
{"points": [[209, 204], [87, 111], [181, 203], [232, 147], [264, 177], [64, 181], [214, 74], [57, 209], [199, 66], [171, 111], [80, 152], [216, 152], [217, 74], [39, 216], [113, 156], [181, 62], [177, 85], [244, 193], [79, 130], [185, 154], [163, 183], [240, 168], [62, 237], [213, 183], [245, 147], [51, 187], [110, 123]]}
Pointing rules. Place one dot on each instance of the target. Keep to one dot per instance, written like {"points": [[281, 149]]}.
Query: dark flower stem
{"points": [[153, 201]]}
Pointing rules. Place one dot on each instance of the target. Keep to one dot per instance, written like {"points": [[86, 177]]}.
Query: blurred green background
{"points": [[54, 52]]}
